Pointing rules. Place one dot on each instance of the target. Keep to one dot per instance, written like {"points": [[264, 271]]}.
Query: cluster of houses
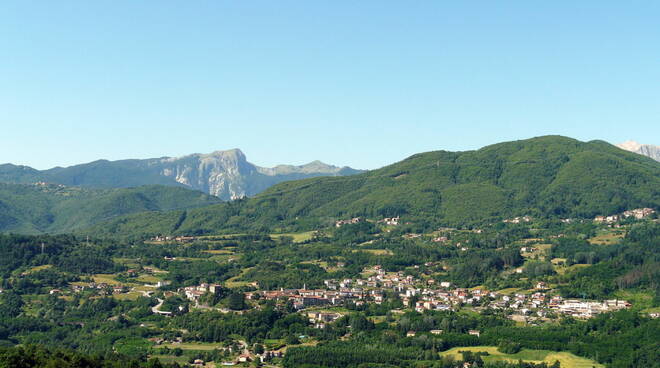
{"points": [[429, 296], [637, 213], [539, 304], [193, 293], [304, 298], [44, 184], [244, 355], [178, 239], [390, 221], [339, 292], [517, 220], [444, 298], [476, 333], [102, 287], [521, 305], [354, 220], [320, 319], [586, 309]]}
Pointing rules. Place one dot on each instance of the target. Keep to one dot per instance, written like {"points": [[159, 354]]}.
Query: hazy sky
{"points": [[359, 83]]}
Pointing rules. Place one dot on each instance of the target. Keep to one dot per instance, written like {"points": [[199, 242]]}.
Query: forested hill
{"points": [[544, 176], [39, 208]]}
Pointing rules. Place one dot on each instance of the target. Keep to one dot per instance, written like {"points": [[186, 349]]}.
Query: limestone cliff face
{"points": [[228, 174], [221, 173], [225, 174], [649, 150]]}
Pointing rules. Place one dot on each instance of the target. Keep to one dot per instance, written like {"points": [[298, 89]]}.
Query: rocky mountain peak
{"points": [[631, 146], [232, 154], [649, 150]]}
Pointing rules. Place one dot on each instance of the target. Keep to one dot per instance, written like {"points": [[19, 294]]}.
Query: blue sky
{"points": [[359, 83]]}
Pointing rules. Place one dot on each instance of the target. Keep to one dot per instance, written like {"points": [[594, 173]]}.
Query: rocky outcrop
{"points": [[649, 150]]}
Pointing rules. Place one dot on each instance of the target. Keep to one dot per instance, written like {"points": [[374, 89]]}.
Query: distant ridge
{"points": [[648, 150], [225, 174], [543, 177]]}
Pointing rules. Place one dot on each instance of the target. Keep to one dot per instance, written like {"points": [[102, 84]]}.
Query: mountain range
{"points": [[648, 150], [550, 176], [224, 174]]}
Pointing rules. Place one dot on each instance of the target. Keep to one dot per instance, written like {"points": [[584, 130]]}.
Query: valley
{"points": [[466, 260]]}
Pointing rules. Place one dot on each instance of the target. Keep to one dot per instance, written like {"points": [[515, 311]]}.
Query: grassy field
{"points": [[561, 269], [297, 237], [542, 251], [377, 319], [639, 300], [510, 291], [131, 295], [169, 359], [105, 278], [222, 258], [222, 236], [148, 279], [377, 252], [38, 268], [323, 264], [234, 283], [652, 310], [608, 238], [566, 359], [131, 345], [219, 251], [340, 310], [202, 346]]}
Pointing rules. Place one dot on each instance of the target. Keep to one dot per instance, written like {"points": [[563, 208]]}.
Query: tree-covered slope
{"points": [[57, 208], [19, 174], [549, 175]]}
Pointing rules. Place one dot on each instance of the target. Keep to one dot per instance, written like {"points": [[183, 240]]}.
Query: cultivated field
{"points": [[567, 360]]}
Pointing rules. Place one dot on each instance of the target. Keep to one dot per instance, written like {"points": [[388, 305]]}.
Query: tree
{"points": [[11, 304], [291, 340], [236, 301], [508, 347], [360, 323]]}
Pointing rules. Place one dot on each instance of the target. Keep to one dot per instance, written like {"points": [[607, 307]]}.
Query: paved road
{"points": [[157, 310]]}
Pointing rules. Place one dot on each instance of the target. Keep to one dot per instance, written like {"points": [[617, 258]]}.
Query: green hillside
{"points": [[544, 176], [56, 208]]}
